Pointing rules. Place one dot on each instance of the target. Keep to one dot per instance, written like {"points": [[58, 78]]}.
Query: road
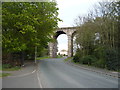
{"points": [[54, 73]]}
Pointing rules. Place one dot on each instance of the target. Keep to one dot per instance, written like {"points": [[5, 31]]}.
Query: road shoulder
{"points": [[94, 69]]}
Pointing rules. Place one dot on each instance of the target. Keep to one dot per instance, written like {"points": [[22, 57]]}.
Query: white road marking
{"points": [[39, 81]]}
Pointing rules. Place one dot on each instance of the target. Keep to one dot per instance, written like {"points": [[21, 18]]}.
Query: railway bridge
{"points": [[70, 32]]}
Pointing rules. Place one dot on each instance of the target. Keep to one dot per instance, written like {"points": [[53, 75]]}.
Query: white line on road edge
{"points": [[39, 80], [24, 74]]}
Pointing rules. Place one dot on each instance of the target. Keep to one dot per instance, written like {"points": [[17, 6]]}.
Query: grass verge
{"points": [[8, 67], [11, 69], [40, 58], [59, 57], [4, 74], [46, 57], [68, 58]]}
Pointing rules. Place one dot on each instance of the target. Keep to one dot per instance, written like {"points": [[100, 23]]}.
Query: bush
{"points": [[99, 52], [102, 58], [100, 63], [76, 58], [6, 66], [89, 60], [112, 59]]}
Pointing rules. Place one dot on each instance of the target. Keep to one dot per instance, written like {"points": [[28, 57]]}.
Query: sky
{"points": [[69, 10]]}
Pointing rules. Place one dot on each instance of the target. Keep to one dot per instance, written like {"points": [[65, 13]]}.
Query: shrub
{"points": [[6, 66], [100, 63], [112, 59], [76, 58], [99, 52], [89, 60]]}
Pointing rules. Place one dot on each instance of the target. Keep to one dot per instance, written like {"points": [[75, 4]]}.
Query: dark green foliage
{"points": [[99, 52], [99, 63], [29, 55], [112, 59], [6, 66], [89, 60], [43, 52], [103, 58], [77, 56]]}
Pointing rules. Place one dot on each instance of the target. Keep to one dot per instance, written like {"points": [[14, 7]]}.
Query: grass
{"points": [[46, 57], [4, 74], [68, 58], [59, 56], [40, 58], [7, 67], [75, 62], [11, 69]]}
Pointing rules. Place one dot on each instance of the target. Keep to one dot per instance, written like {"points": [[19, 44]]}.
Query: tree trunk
{"points": [[10, 59]]}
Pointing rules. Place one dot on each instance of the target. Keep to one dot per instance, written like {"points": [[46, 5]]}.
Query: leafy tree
{"points": [[26, 25]]}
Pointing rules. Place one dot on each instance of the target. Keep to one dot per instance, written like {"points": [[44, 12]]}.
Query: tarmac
{"points": [[30, 67]]}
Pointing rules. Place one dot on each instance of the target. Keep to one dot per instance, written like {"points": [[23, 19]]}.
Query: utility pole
{"points": [[22, 59], [35, 54], [36, 51]]}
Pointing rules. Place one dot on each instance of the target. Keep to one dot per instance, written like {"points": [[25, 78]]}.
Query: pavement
{"points": [[26, 77], [28, 68]]}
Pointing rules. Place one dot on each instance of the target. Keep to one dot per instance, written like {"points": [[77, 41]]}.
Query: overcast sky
{"points": [[69, 10]]}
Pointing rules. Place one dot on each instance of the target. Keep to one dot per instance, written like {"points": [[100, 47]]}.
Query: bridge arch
{"points": [[69, 31], [58, 33]]}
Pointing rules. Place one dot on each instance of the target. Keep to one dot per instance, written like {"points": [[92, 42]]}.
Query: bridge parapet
{"points": [[67, 30]]}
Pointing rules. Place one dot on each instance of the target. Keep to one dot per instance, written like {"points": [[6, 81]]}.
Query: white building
{"points": [[63, 52]]}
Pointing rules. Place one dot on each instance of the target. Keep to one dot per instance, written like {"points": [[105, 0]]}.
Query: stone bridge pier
{"points": [[70, 46], [69, 31]]}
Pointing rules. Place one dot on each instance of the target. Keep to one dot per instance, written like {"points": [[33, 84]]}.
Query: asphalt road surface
{"points": [[54, 73]]}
